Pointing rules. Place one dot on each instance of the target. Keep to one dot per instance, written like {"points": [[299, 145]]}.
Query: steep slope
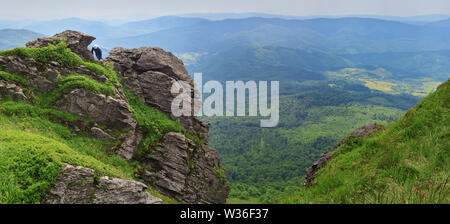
{"points": [[73, 132], [404, 162]]}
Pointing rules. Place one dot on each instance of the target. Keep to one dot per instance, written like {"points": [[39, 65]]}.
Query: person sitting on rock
{"points": [[98, 52]]}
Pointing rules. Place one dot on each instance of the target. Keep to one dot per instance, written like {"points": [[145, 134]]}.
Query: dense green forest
{"points": [[321, 102], [261, 162]]}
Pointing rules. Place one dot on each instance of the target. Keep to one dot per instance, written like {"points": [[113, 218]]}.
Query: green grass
{"points": [[23, 109], [66, 84], [63, 55], [59, 53], [34, 139], [14, 78], [406, 162], [243, 201], [32, 150], [34, 144], [220, 173], [153, 122]]}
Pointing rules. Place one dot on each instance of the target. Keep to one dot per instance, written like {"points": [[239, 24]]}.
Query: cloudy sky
{"points": [[131, 9]]}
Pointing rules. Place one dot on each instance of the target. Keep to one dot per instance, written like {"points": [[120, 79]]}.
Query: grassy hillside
{"points": [[36, 139], [406, 162]]}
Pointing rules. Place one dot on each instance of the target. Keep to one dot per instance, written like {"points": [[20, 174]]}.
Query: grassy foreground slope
{"points": [[35, 138], [405, 162]]}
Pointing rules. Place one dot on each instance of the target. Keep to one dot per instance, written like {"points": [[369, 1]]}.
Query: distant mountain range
{"points": [[336, 74], [290, 46], [10, 38], [212, 32], [422, 19], [338, 36]]}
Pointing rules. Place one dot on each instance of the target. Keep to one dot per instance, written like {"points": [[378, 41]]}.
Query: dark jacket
{"points": [[98, 52]]}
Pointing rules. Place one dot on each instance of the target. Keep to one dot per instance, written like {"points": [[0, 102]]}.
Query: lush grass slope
{"points": [[32, 150], [35, 140], [406, 162]]}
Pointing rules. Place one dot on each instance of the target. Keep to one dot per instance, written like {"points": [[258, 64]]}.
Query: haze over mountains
{"points": [[336, 75], [189, 33]]}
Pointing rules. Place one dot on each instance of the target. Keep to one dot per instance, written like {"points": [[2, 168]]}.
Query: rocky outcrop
{"points": [[178, 167], [79, 185], [11, 90], [185, 171], [78, 42], [41, 79], [110, 111], [365, 130], [98, 133], [149, 72]]}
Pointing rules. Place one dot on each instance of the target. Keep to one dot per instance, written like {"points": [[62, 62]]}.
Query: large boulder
{"points": [[12, 91], [178, 167], [112, 112], [185, 171], [41, 79], [150, 72], [79, 185], [78, 42]]}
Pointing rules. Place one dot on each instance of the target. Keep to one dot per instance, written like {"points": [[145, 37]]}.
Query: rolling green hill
{"points": [[338, 36], [11, 38], [267, 63], [404, 162]]}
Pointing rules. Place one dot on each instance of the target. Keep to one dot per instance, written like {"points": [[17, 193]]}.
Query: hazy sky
{"points": [[130, 9]]}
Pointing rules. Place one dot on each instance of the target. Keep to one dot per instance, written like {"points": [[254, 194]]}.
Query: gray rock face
{"points": [[43, 80], [311, 172], [104, 109], [149, 73], [78, 42], [100, 134], [184, 171], [78, 185], [11, 90], [129, 145], [177, 167], [149, 59]]}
